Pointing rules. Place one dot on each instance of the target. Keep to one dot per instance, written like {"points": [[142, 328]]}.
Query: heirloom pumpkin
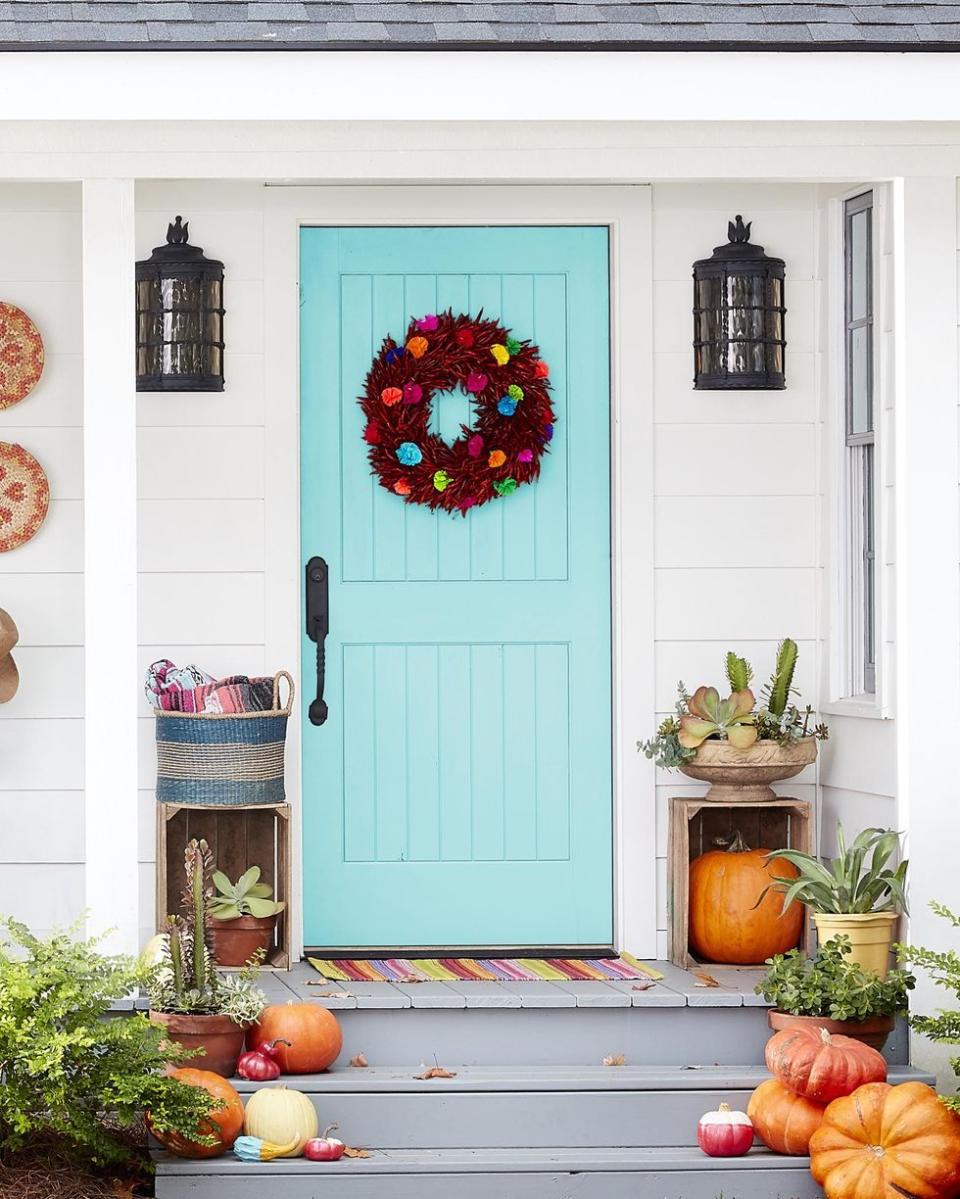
{"points": [[785, 1122], [225, 1122], [307, 1038], [284, 1118], [886, 1142], [728, 920], [820, 1066]]}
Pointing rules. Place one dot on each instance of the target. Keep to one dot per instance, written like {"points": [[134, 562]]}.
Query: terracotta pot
{"points": [[236, 941], [219, 1037], [745, 775], [872, 1032], [871, 936]]}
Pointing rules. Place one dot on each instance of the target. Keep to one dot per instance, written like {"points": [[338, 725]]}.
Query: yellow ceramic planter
{"points": [[870, 933]]}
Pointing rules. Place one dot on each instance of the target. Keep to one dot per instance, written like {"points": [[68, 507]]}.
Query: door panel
{"points": [[460, 792]]}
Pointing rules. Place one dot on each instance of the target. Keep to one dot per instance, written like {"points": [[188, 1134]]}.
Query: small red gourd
{"points": [[822, 1067], [324, 1148], [260, 1064], [725, 1133]]}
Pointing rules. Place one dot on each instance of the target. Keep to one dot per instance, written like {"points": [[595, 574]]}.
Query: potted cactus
{"points": [[198, 1008], [243, 917], [733, 744]]}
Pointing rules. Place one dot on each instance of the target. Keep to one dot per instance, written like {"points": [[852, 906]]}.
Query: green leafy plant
{"points": [[187, 982], [848, 884], [944, 968], [704, 715], [708, 715], [68, 1073], [246, 897], [831, 987]]}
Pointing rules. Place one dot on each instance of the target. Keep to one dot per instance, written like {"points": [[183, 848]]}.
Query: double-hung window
{"points": [[860, 445]]}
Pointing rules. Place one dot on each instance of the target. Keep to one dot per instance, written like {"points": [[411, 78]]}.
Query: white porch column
{"points": [[110, 560], [927, 560]]}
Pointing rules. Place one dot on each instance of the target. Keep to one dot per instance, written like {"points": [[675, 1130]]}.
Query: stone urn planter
{"points": [[745, 775], [872, 1032], [220, 1038]]}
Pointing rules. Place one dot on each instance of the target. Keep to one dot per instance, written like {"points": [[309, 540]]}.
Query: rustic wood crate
{"points": [[695, 826], [238, 837]]}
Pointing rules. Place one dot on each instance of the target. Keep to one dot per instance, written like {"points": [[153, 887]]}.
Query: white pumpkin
{"points": [[282, 1116]]}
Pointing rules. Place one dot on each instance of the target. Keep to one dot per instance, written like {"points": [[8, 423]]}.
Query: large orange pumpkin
{"points": [[821, 1066], [225, 1123], [726, 922], [886, 1142], [313, 1033], [785, 1122]]}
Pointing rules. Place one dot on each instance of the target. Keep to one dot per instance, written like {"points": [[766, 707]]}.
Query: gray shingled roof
{"points": [[436, 24]]}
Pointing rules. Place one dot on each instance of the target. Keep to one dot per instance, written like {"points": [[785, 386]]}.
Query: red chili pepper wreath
{"points": [[508, 383]]}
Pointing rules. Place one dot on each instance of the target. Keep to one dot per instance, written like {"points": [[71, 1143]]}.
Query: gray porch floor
{"points": [[679, 988]]}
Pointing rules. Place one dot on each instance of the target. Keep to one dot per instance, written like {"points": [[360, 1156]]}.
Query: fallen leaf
{"points": [[359, 1061], [645, 985], [704, 980], [615, 1059], [350, 1152], [436, 1072]]}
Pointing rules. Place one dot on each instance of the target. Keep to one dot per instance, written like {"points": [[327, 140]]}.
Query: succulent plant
{"points": [[777, 691], [730, 719], [739, 672], [246, 897]]}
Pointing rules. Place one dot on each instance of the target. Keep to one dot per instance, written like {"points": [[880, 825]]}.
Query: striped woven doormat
{"points": [[416, 970]]}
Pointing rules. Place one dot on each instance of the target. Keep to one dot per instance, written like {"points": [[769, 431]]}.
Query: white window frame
{"points": [[845, 692]]}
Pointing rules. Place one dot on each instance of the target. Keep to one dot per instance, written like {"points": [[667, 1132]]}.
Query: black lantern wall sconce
{"points": [[179, 317], [738, 317]]}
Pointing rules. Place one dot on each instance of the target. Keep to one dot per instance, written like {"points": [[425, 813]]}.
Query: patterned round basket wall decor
{"points": [[21, 355], [24, 496], [221, 758]]}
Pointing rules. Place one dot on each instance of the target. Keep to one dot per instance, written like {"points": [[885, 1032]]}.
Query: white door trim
{"points": [[626, 210]]}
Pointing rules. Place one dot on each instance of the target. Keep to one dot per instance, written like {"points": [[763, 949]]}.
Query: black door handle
{"points": [[318, 626]]}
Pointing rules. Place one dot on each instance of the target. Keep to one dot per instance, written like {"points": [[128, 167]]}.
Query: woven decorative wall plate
{"points": [[24, 496], [21, 355]]}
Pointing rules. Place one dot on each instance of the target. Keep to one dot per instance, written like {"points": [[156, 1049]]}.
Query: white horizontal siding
{"points": [[41, 729]]}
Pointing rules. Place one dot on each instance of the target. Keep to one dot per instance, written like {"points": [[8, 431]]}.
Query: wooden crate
{"points": [[695, 826], [238, 836]]}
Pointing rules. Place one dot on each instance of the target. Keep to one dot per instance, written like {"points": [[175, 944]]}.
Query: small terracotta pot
{"points": [[236, 941], [872, 1032], [219, 1037]]}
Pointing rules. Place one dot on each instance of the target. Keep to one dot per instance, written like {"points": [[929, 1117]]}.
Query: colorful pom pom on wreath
{"points": [[410, 459]]}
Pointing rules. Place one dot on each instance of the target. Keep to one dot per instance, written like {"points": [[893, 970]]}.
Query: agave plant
{"points": [[847, 885], [246, 897], [730, 719]]}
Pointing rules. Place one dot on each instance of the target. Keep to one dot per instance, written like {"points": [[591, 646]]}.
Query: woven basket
{"points": [[223, 758]]}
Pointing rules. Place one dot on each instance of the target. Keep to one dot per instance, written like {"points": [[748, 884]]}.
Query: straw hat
{"points": [[9, 675]]}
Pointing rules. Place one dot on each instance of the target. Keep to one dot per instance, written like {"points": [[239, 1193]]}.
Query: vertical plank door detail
{"points": [[460, 792]]}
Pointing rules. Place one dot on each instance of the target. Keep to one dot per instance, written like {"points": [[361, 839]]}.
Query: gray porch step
{"points": [[508, 1173], [527, 1108]]}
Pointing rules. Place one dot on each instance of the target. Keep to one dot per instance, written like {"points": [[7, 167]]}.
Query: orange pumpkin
{"points": [[726, 922], [886, 1142], [312, 1032], [225, 1122], [785, 1122], [820, 1066]]}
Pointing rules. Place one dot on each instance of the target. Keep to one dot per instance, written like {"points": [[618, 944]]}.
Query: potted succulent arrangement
{"points": [[198, 1008], [243, 917], [833, 992], [736, 746], [851, 897]]}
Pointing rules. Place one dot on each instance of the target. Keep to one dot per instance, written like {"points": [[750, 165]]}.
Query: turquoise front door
{"points": [[459, 793]]}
